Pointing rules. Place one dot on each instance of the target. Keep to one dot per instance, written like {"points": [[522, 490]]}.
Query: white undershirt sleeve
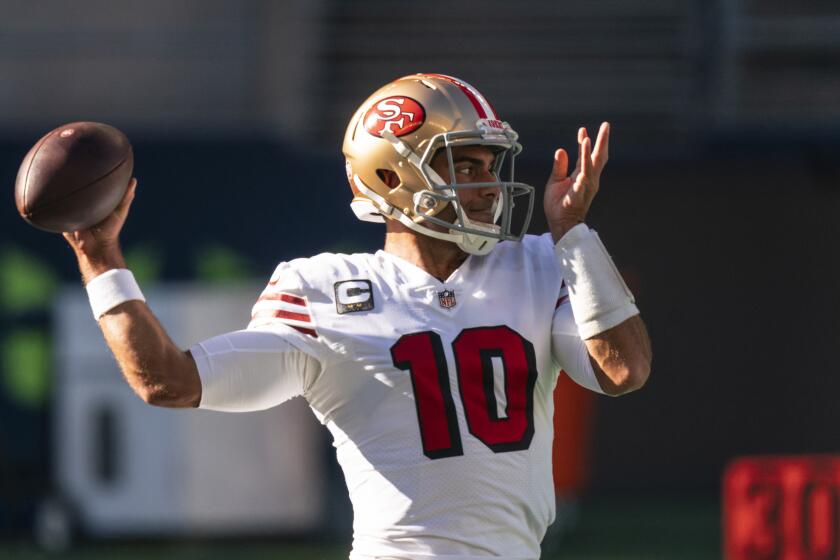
{"points": [[569, 349], [243, 371]]}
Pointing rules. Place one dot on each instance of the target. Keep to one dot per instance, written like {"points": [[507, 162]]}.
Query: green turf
{"points": [[616, 529], [645, 529]]}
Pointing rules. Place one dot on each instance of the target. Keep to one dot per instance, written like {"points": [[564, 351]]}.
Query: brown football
{"points": [[74, 176]]}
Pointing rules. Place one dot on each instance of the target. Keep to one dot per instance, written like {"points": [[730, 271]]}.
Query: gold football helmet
{"points": [[401, 127]]}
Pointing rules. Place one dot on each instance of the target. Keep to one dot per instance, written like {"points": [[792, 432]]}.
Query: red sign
{"points": [[398, 114], [782, 508]]}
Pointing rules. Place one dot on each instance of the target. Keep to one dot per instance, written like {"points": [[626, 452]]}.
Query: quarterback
{"points": [[432, 361]]}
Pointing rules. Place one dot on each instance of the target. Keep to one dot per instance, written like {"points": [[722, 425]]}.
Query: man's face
{"points": [[473, 164]]}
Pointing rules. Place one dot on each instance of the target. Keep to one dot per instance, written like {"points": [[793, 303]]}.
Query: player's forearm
{"points": [[621, 356], [155, 368]]}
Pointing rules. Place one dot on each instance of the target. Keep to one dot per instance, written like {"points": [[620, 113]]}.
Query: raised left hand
{"points": [[568, 197]]}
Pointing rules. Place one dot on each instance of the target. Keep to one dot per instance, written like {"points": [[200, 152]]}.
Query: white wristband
{"points": [[599, 297], [110, 289]]}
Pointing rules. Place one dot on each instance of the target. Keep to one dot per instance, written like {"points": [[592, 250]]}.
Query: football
{"points": [[74, 176]]}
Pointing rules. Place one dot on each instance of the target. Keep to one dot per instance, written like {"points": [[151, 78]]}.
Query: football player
{"points": [[432, 361]]}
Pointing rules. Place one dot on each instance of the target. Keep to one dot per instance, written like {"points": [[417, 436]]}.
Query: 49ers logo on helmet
{"points": [[398, 114]]}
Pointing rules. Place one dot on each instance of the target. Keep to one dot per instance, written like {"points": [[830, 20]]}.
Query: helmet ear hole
{"points": [[389, 177]]}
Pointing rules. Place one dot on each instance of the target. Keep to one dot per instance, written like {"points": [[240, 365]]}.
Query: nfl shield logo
{"points": [[446, 298]]}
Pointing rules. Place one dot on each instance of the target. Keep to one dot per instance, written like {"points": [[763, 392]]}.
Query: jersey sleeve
{"points": [[244, 371], [276, 358], [568, 348]]}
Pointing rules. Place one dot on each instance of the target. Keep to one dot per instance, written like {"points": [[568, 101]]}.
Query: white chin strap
{"points": [[478, 244], [469, 243], [475, 244]]}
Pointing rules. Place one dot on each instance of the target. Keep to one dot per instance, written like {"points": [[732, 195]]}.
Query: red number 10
{"points": [[422, 355]]}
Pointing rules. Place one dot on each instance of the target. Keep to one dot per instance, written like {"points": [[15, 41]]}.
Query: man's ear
{"points": [[389, 177]]}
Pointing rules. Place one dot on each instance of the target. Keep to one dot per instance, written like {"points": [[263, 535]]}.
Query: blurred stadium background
{"points": [[720, 204]]}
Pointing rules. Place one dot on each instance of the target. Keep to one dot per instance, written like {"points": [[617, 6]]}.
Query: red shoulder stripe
{"points": [[304, 330], [310, 332], [282, 314], [280, 296]]}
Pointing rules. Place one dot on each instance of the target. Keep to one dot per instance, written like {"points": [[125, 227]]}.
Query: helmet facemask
{"points": [[471, 236]]}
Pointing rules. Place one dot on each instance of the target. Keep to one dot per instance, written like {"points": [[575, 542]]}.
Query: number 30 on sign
{"points": [[782, 508]]}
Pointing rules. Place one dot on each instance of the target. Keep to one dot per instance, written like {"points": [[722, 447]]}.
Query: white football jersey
{"points": [[438, 394]]}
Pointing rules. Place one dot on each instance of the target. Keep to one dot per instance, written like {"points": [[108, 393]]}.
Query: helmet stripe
{"points": [[481, 105]]}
